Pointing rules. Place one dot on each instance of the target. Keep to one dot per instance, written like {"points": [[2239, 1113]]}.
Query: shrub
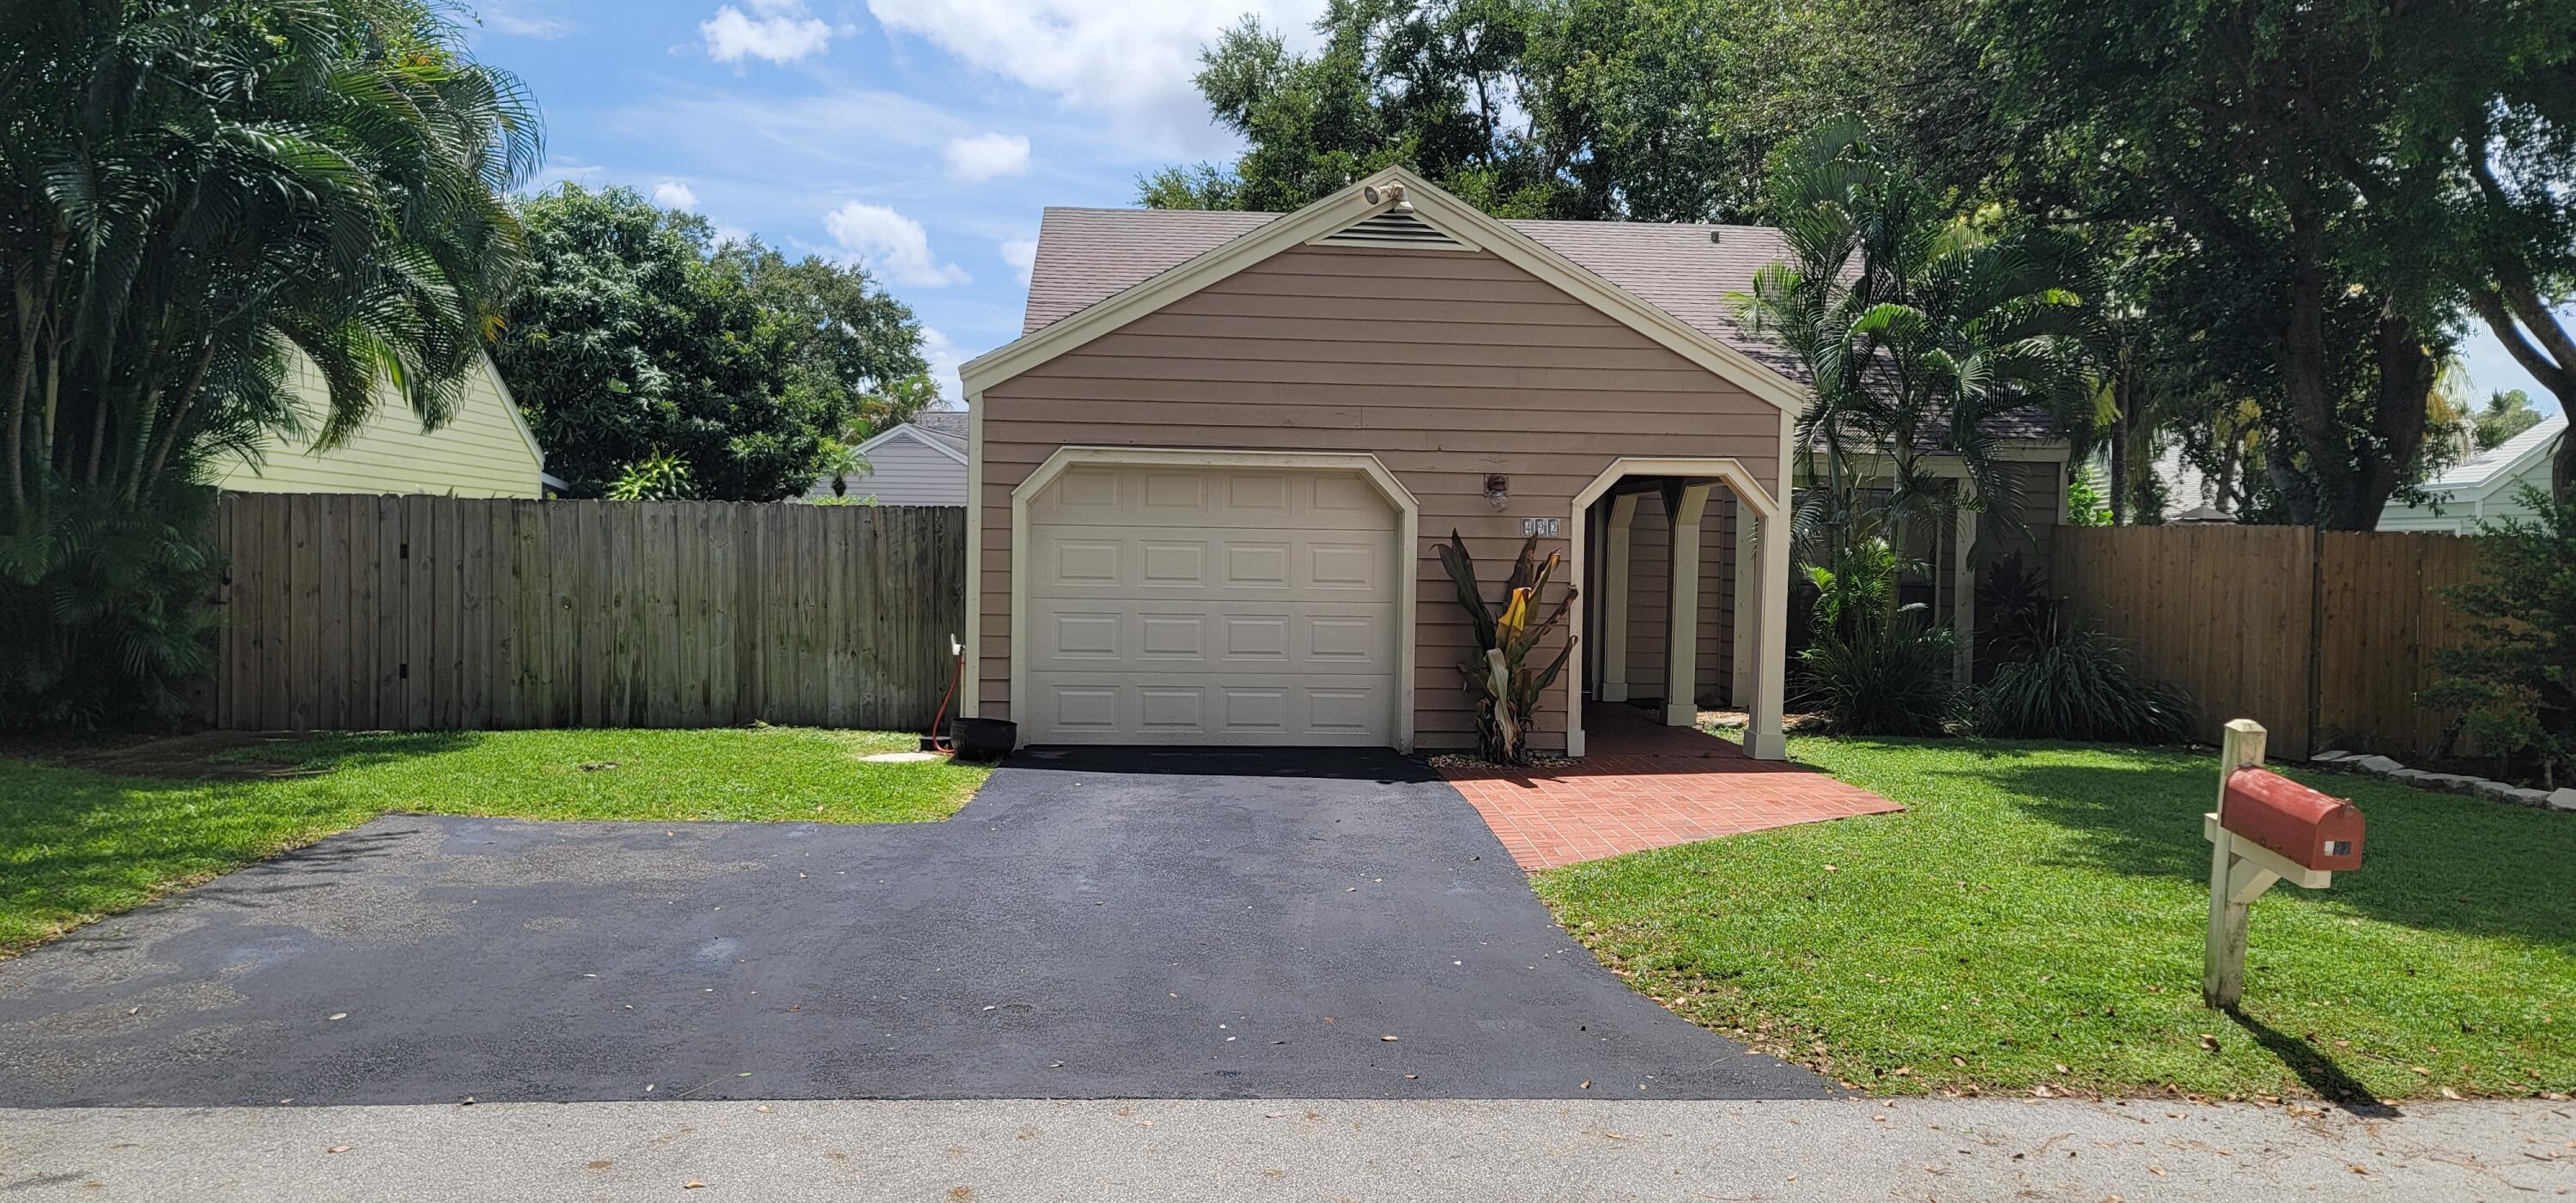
{"points": [[2076, 683], [1888, 676], [2015, 608], [2514, 681], [1498, 676], [103, 621]]}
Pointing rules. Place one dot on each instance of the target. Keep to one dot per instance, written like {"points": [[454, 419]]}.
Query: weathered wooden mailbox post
{"points": [[2267, 829]]}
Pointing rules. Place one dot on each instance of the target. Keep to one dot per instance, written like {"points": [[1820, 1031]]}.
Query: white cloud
{"points": [[944, 357], [782, 33], [986, 156], [529, 25], [672, 194], [1021, 254], [1135, 56], [891, 245]]}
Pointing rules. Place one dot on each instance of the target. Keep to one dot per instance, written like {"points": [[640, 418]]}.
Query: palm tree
{"points": [[195, 187], [200, 199], [1916, 329]]}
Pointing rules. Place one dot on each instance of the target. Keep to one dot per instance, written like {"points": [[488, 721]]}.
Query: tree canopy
{"points": [[640, 343], [2294, 211], [194, 196]]}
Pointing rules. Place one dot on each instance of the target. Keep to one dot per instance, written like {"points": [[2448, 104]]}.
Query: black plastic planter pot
{"points": [[983, 738]]}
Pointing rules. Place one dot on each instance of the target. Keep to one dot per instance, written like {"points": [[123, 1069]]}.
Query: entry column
{"points": [[1613, 652], [1681, 638]]}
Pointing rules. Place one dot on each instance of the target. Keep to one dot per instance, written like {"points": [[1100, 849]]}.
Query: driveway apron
{"points": [[1095, 924]]}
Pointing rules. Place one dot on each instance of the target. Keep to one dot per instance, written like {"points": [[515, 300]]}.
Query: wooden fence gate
{"points": [[415, 613], [2324, 637]]}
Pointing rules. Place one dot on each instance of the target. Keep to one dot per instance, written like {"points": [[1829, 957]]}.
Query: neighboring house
{"points": [[1208, 475], [2486, 487], [919, 462], [485, 450]]}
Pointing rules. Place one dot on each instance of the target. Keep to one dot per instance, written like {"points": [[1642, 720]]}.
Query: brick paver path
{"points": [[1643, 785]]}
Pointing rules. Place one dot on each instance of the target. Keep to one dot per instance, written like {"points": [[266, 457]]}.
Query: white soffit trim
{"points": [[1441, 211], [971, 705]]}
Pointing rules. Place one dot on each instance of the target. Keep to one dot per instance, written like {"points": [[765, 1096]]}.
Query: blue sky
{"points": [[921, 137]]}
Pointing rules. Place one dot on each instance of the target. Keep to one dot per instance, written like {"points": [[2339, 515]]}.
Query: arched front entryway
{"points": [[1681, 489]]}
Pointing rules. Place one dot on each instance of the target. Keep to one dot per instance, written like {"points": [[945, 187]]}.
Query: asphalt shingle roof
{"points": [[1086, 256], [2477, 470], [946, 425]]}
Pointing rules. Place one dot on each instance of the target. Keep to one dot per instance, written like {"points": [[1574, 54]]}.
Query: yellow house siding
{"points": [[482, 452]]}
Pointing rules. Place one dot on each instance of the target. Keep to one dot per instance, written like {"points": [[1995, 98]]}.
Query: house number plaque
{"points": [[1545, 527]]}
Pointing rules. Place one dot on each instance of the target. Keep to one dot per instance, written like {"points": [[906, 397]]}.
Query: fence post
{"points": [[2222, 971]]}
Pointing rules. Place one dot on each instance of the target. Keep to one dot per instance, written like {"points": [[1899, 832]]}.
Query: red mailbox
{"points": [[2308, 827]]}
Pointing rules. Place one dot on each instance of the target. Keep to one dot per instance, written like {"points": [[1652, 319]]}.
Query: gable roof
{"points": [[2502, 467], [946, 424], [1086, 256], [927, 434], [1155, 280]]}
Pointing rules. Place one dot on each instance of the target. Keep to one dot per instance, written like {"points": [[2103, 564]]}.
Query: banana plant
{"points": [[1498, 677]]}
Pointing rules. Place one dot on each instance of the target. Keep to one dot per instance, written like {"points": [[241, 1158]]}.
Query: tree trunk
{"points": [[2120, 447], [2398, 417], [2351, 477]]}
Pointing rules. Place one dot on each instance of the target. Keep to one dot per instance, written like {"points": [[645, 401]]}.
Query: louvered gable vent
{"points": [[1392, 228]]}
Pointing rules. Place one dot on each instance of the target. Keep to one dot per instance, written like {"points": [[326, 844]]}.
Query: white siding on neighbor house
{"points": [[2487, 489], [483, 451], [905, 470], [2462, 517]]}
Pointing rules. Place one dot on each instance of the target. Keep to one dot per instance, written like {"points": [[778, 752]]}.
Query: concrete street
{"points": [[997, 1151]]}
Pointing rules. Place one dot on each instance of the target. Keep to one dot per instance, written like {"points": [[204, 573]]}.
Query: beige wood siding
{"points": [[1650, 536], [481, 452], [1447, 366], [1650, 595]]}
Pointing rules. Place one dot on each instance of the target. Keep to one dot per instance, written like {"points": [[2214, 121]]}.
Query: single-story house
{"points": [[917, 462], [1206, 480], [485, 450], [2486, 487]]}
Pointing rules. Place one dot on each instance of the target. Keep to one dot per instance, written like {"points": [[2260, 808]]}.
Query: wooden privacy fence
{"points": [[2324, 637], [417, 613]]}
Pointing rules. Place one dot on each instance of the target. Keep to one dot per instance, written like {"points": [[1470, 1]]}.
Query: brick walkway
{"points": [[1643, 785]]}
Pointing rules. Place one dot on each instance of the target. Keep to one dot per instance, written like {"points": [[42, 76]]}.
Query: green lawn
{"points": [[2036, 919], [76, 845]]}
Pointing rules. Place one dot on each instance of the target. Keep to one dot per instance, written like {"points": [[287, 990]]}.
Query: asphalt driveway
{"points": [[1093, 925]]}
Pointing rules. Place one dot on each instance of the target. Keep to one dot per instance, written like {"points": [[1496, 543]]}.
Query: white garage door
{"points": [[1179, 605]]}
